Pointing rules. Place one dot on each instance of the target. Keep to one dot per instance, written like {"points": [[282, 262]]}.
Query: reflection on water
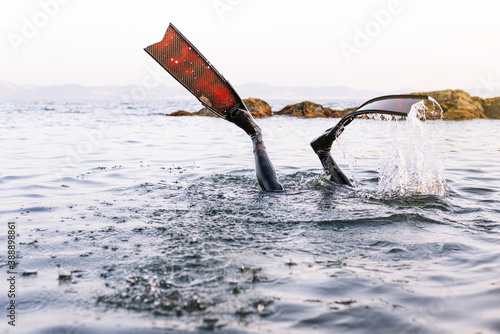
{"points": [[160, 224]]}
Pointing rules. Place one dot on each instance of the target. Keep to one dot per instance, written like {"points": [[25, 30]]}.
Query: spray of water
{"points": [[411, 165]]}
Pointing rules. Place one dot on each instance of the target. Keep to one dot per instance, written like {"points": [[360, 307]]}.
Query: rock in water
{"points": [[181, 113], [201, 112], [204, 112], [457, 104], [492, 107], [309, 109], [258, 108]]}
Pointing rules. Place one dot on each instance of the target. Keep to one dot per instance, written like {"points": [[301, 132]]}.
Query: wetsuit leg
{"points": [[266, 175], [322, 146]]}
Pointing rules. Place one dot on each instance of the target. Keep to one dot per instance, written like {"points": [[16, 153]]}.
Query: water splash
{"points": [[411, 165]]}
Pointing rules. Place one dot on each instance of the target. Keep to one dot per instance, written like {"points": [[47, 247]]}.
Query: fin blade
{"points": [[392, 104], [187, 65]]}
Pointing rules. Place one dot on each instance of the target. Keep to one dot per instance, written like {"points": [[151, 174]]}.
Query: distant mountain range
{"points": [[131, 93]]}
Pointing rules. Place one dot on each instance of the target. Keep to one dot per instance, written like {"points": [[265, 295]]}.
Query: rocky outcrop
{"points": [[309, 109], [181, 113], [492, 107], [258, 108], [204, 112], [458, 105], [201, 112]]}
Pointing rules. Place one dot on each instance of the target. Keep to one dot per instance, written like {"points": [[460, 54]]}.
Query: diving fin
{"points": [[187, 65], [396, 105]]}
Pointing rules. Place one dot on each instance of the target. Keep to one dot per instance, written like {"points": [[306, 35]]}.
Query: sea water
{"points": [[129, 221]]}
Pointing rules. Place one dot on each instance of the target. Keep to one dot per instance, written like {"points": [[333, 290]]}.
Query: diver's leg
{"points": [[322, 146], [266, 175], [336, 175]]}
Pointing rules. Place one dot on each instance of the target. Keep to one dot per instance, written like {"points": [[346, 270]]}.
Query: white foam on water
{"points": [[411, 165]]}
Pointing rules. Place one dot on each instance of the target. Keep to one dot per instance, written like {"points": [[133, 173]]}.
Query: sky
{"points": [[382, 45]]}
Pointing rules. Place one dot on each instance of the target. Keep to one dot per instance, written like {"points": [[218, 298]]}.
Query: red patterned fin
{"points": [[186, 64]]}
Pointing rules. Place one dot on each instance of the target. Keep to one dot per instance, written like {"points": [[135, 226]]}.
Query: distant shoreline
{"points": [[456, 105]]}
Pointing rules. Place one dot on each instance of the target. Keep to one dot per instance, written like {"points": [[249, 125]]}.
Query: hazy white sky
{"points": [[364, 44]]}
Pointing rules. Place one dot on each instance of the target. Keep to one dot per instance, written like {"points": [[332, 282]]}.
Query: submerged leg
{"points": [[266, 175]]}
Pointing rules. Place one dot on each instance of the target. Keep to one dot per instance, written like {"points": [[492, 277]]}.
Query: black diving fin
{"points": [[395, 105]]}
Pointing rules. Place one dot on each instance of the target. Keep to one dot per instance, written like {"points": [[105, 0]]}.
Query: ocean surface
{"points": [[128, 221]]}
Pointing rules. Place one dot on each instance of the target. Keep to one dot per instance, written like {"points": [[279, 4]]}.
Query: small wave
{"points": [[381, 220]]}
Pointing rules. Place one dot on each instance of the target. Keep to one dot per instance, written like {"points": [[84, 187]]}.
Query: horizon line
{"points": [[360, 91]]}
